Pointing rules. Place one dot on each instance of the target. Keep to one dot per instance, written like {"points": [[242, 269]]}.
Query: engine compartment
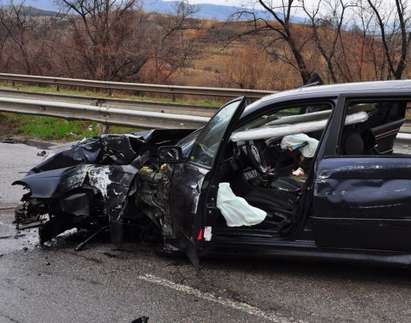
{"points": [[93, 185]]}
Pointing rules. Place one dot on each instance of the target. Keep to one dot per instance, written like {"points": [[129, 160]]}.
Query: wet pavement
{"points": [[12, 240], [15, 161], [107, 283]]}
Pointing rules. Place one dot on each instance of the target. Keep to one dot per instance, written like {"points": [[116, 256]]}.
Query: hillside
{"points": [[45, 6], [36, 12]]}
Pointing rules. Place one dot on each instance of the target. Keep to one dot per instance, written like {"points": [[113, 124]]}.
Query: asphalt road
{"points": [[105, 283]]}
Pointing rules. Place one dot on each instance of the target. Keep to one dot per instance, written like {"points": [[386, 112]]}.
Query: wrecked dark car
{"points": [[312, 172]]}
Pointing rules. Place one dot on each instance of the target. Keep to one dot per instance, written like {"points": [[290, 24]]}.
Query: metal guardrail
{"points": [[404, 137], [143, 114], [119, 116], [106, 115], [134, 105], [135, 87]]}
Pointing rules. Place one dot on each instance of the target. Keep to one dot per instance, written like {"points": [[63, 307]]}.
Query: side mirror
{"points": [[170, 154]]}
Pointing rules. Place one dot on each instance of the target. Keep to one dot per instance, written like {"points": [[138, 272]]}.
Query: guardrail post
{"points": [[57, 88], [105, 129]]}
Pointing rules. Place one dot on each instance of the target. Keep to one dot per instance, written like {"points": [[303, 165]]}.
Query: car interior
{"points": [[268, 171], [376, 136], [270, 175]]}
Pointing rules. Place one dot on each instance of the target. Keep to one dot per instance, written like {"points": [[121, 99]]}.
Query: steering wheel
{"points": [[283, 162], [257, 159]]}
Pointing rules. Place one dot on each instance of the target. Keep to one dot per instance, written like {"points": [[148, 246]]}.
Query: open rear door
{"points": [[191, 179]]}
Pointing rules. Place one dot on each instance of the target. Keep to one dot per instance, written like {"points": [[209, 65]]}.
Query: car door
{"points": [[360, 201], [190, 178]]}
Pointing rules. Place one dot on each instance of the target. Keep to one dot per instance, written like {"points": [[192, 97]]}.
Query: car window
{"points": [[186, 144], [377, 129], [205, 148], [277, 146]]}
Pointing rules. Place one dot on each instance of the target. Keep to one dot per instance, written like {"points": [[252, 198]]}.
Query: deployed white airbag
{"points": [[236, 210], [290, 129], [299, 139]]}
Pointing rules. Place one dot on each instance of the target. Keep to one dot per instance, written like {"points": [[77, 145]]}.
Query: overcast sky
{"points": [[228, 2], [297, 11]]}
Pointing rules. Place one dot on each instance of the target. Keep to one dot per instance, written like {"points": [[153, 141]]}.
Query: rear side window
{"points": [[373, 128]]}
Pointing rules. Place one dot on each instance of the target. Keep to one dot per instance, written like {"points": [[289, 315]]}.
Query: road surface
{"points": [[108, 284]]}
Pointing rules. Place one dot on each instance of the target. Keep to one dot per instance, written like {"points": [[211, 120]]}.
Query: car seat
{"points": [[353, 144]]}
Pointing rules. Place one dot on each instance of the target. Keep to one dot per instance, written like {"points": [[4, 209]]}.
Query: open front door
{"points": [[191, 178]]}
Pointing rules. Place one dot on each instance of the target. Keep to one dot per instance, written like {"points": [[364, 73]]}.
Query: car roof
{"points": [[332, 91]]}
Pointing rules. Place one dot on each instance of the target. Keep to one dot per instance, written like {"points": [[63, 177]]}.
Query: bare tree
{"points": [[280, 25], [116, 40], [371, 56], [326, 19], [23, 45], [107, 37], [4, 37], [393, 21], [173, 44], [16, 26]]}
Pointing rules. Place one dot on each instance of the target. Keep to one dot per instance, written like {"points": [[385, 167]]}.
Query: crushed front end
{"points": [[111, 182]]}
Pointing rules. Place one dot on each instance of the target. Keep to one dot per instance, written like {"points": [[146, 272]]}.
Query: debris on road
{"points": [[143, 319]]}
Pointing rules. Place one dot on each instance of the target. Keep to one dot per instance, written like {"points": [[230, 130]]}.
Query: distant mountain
{"points": [[36, 12], [205, 10], [202, 11], [45, 5]]}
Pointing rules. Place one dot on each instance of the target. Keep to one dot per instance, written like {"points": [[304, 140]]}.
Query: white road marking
{"points": [[244, 307]]}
